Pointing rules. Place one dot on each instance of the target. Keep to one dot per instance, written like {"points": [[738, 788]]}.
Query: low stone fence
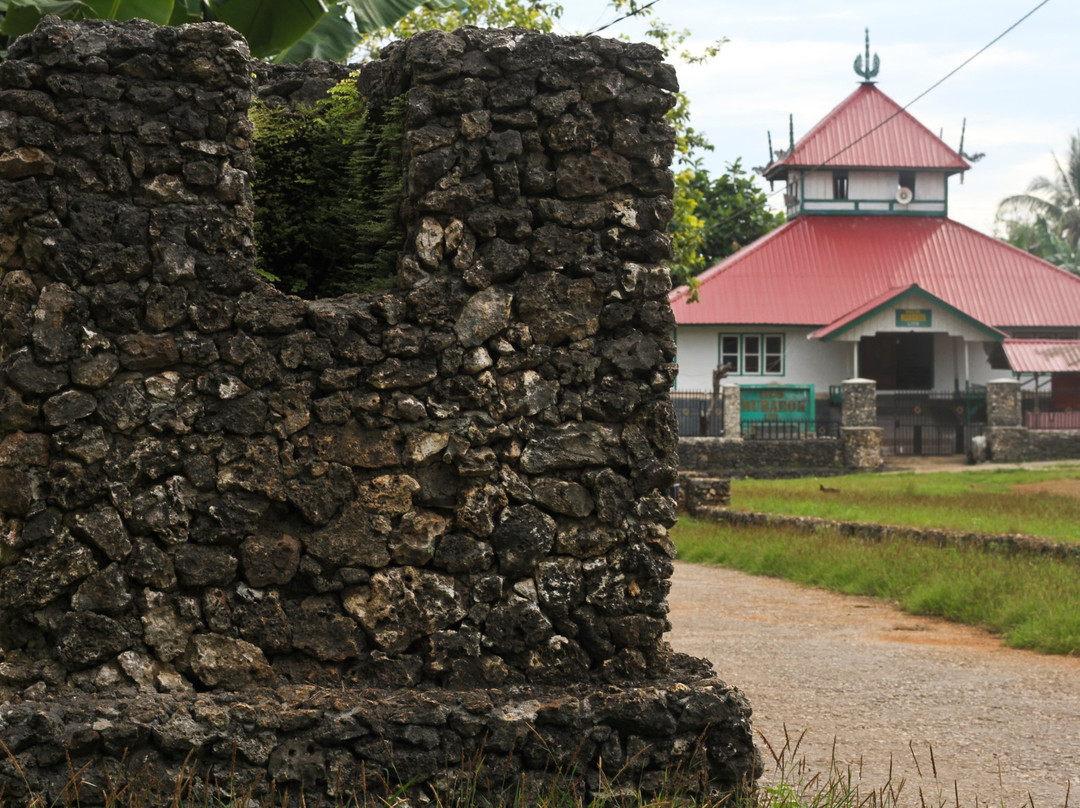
{"points": [[1001, 542], [857, 448], [761, 458], [1018, 444]]}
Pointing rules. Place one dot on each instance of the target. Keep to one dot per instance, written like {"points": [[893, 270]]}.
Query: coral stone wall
{"points": [[207, 484]]}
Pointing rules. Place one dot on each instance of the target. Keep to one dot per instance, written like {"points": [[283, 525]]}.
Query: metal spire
{"points": [[867, 72]]}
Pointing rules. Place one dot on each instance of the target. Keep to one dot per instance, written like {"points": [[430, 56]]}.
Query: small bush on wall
{"points": [[327, 190]]}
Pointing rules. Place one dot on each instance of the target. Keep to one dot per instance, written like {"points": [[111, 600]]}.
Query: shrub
{"points": [[328, 188]]}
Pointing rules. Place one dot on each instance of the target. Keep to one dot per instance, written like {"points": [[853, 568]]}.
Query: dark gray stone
{"points": [[336, 540]]}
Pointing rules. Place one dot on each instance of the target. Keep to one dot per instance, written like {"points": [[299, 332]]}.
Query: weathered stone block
{"points": [[441, 489]]}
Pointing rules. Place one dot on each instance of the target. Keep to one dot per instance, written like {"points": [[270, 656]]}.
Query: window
{"points": [[907, 180], [753, 354], [840, 185], [729, 352], [774, 354]]}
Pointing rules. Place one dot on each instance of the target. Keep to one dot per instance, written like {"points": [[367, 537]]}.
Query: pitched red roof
{"points": [[1043, 355], [887, 299], [841, 139], [816, 269]]}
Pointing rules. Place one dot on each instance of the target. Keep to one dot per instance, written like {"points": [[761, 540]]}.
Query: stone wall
{"points": [[1009, 442], [858, 448], [206, 485], [1018, 444], [723, 457]]}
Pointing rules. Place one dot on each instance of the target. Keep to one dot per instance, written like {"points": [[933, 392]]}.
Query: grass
{"points": [[995, 501], [1031, 602]]}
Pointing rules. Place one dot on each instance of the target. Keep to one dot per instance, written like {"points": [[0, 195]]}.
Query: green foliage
{"points": [[687, 230], [21, 16], [329, 184], [714, 218], [1036, 237], [1045, 221], [538, 15], [281, 31], [734, 209]]}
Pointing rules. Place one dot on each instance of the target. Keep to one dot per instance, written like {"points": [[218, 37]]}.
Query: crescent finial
{"points": [[867, 70]]}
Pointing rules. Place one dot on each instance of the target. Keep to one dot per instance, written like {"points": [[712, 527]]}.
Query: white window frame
{"points": [[778, 355], [736, 365], [762, 354]]}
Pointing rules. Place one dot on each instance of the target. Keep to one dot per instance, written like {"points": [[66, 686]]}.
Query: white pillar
{"points": [[855, 360]]}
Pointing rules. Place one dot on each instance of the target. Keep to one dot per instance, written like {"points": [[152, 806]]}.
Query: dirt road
{"points": [[1002, 724]]}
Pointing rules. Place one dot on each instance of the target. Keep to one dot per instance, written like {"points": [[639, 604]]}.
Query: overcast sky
{"points": [[1020, 97]]}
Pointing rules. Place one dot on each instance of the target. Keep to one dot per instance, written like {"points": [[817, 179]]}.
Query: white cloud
{"points": [[790, 56]]}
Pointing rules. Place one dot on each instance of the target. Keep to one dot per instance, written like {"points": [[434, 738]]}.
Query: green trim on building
{"points": [[990, 332]]}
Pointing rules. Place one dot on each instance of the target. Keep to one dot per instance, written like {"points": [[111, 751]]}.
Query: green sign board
{"points": [[914, 318], [777, 402]]}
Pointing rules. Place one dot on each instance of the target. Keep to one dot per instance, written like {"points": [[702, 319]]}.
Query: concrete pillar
{"points": [[1006, 438], [860, 403], [1003, 403], [859, 432], [732, 411]]}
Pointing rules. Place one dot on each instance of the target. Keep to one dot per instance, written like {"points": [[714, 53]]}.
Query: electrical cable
{"points": [[927, 91], [931, 88]]}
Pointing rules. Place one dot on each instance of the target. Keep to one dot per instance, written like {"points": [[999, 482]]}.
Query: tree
{"points": [[538, 15], [1036, 237], [734, 210], [1045, 221], [281, 30]]}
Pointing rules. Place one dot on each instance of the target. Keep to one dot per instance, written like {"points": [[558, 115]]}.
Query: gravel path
{"points": [[884, 686]]}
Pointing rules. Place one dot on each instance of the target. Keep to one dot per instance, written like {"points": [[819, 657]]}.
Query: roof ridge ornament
{"points": [[867, 73]]}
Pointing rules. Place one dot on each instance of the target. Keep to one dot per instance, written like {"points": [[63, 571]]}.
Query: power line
{"points": [[933, 86]]}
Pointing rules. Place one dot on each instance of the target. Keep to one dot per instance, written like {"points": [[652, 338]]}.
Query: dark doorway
{"points": [[898, 361]]}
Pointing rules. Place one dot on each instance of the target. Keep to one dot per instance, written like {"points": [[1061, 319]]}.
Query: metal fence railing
{"points": [[790, 430], [702, 415], [1052, 420], [1056, 407], [930, 422], [698, 414]]}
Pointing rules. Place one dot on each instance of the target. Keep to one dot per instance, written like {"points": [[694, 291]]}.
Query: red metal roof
{"points": [[847, 138], [1043, 355], [815, 269]]}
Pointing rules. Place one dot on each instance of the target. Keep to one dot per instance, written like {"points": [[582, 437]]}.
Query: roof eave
{"points": [[849, 320]]}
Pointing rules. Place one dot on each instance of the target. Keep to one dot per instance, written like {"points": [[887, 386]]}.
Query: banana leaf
{"points": [[333, 38], [371, 15], [269, 26], [22, 16], [158, 11]]}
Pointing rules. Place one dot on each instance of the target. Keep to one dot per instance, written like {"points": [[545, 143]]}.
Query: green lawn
{"points": [[1031, 602], [996, 501]]}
